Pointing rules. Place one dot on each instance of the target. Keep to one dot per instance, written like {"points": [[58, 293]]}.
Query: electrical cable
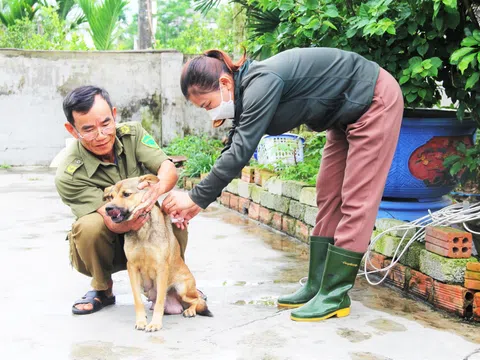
{"points": [[460, 213]]}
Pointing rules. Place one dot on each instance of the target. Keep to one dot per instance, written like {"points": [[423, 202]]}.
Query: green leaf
{"points": [[461, 111], [427, 64], [466, 60], [412, 27], [330, 25], [431, 35], [362, 23], [313, 24], [351, 32], [455, 169], [363, 11], [304, 20], [439, 23], [472, 80], [449, 160], [461, 147], [469, 41], [436, 8], [436, 62], [458, 54], [453, 19], [476, 34], [414, 60], [411, 97], [391, 30], [286, 5], [103, 20], [422, 93], [421, 18], [311, 4], [452, 4], [331, 11], [404, 79], [417, 69], [422, 49]]}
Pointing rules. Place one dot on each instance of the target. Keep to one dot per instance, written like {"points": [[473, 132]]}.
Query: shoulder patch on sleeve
{"points": [[125, 129], [73, 166], [149, 141]]}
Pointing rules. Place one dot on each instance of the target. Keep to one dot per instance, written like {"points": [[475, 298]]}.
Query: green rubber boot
{"points": [[341, 269], [318, 255]]}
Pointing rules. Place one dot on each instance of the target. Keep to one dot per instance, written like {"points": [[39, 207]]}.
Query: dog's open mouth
{"points": [[116, 214]]}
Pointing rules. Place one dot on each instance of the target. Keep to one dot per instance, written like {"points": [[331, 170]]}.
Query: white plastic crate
{"points": [[287, 148]]}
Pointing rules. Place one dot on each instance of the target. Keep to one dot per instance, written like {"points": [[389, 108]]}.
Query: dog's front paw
{"points": [[141, 324], [190, 312], [153, 327]]}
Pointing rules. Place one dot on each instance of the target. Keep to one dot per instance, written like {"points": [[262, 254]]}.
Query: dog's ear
{"points": [[150, 178], [107, 193]]}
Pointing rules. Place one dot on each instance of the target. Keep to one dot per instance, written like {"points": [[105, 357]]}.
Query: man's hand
{"points": [[152, 195], [167, 174], [134, 224]]}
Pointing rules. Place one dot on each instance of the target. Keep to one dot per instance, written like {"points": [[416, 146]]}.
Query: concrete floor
{"points": [[240, 265]]}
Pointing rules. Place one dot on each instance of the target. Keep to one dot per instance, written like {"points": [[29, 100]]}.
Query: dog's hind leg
{"points": [[136, 283], [162, 284], [189, 295], [187, 290]]}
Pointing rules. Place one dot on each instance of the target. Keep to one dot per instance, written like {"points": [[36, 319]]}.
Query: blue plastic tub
{"points": [[409, 210]]}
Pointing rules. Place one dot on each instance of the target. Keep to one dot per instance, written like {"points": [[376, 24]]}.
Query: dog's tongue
{"points": [[114, 213]]}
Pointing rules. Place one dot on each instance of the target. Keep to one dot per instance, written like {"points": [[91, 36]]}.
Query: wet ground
{"points": [[242, 267]]}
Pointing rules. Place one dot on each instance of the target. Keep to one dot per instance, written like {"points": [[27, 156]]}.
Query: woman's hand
{"points": [[180, 206]]}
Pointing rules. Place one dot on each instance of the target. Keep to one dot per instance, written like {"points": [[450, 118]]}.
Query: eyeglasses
{"points": [[90, 135]]}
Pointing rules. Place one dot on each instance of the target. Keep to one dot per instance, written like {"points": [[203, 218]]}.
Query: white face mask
{"points": [[226, 109]]}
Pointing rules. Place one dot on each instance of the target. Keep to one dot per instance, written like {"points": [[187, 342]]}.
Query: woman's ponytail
{"points": [[200, 75], [223, 56]]}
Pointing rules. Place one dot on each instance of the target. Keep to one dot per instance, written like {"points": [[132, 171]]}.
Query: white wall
{"points": [[143, 85]]}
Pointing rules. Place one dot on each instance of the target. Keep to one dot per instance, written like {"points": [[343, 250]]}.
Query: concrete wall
{"points": [[143, 85]]}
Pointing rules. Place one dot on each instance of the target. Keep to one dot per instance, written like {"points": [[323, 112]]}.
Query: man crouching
{"points": [[106, 152]]}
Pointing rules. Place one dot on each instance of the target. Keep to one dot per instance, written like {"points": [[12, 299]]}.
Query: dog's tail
{"points": [[202, 308]]}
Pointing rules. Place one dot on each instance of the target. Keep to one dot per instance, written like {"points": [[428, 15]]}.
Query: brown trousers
{"points": [[97, 252], [354, 169]]}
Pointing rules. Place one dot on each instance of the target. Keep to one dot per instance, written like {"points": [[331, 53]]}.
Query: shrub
{"points": [[201, 153], [45, 32]]}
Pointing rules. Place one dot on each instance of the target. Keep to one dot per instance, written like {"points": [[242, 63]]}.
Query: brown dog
{"points": [[153, 255]]}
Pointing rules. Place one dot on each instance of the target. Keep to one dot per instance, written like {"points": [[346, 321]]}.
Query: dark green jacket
{"points": [[319, 87]]}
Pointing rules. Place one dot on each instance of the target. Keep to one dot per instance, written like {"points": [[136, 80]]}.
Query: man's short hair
{"points": [[81, 100]]}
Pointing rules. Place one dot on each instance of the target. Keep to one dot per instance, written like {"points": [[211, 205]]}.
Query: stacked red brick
{"points": [[433, 273], [454, 244], [472, 276], [448, 242]]}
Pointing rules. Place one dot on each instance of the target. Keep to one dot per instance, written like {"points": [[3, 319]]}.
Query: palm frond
{"points": [[205, 6], [69, 7], [13, 10], [103, 20], [64, 7]]}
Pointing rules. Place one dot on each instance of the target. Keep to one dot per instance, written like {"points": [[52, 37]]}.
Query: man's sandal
{"points": [[97, 298]]}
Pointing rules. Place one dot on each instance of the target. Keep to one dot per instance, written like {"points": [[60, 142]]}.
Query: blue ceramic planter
{"points": [[426, 138]]}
